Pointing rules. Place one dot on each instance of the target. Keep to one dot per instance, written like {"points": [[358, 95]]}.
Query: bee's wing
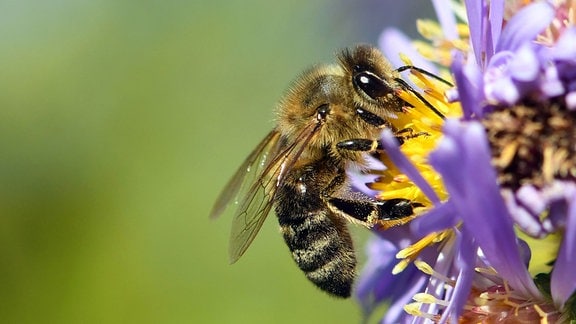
{"points": [[255, 205], [247, 174]]}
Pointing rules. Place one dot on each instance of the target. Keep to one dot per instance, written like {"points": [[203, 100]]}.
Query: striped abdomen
{"points": [[319, 241]]}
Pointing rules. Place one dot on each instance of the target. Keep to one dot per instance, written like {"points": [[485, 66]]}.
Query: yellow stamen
{"points": [[429, 29], [400, 266], [547, 164], [408, 97], [405, 59], [427, 82], [488, 271], [426, 298], [414, 310], [412, 251], [543, 315], [463, 31], [424, 267], [434, 94], [427, 269]]}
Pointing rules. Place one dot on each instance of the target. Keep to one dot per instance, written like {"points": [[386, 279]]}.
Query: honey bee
{"points": [[328, 120]]}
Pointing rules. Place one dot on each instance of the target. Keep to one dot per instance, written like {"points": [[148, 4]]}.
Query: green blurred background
{"points": [[120, 121]]}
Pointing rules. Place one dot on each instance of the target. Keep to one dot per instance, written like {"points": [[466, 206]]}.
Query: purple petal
{"points": [[525, 252], [488, 51], [485, 23], [393, 42], [359, 178], [496, 17], [469, 84], [452, 95], [441, 217], [463, 159], [571, 100], [518, 31], [558, 195], [525, 65], [498, 65], [551, 86], [476, 12], [565, 49], [465, 262], [380, 254], [502, 90], [531, 198], [446, 19], [528, 222], [498, 84], [410, 282], [563, 281], [377, 283], [390, 143]]}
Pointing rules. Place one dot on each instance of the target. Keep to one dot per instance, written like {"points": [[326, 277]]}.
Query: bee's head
{"points": [[323, 100], [373, 79]]}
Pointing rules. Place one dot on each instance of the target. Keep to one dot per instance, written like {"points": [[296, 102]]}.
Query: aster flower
{"points": [[503, 163], [381, 283]]}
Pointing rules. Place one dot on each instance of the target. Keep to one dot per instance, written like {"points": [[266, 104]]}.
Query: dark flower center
{"points": [[532, 143]]}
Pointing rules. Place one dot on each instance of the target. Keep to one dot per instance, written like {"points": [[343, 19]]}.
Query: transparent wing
{"points": [[246, 175], [259, 199]]}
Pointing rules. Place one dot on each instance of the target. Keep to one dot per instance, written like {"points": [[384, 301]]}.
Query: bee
{"points": [[328, 120]]}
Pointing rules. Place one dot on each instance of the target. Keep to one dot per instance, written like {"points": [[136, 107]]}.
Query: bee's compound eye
{"points": [[371, 84]]}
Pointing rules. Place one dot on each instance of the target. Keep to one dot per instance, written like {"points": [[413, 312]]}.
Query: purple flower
{"points": [[508, 162], [522, 85], [514, 66], [463, 159], [378, 284]]}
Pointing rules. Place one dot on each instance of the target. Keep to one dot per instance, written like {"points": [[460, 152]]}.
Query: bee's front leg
{"points": [[368, 145]]}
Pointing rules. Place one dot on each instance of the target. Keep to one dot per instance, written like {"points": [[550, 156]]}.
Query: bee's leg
{"points": [[371, 118], [359, 144], [406, 134], [384, 214], [368, 145]]}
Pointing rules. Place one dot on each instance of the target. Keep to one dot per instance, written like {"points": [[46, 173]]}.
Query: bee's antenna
{"points": [[406, 86], [430, 74]]}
